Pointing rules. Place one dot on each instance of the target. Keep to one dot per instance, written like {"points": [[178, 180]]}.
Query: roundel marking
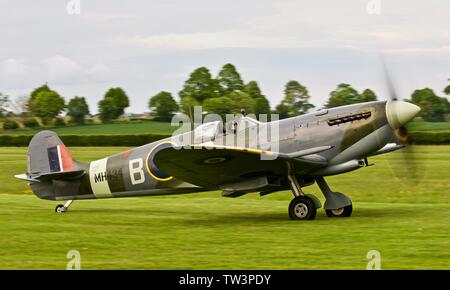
{"points": [[151, 167], [215, 160]]}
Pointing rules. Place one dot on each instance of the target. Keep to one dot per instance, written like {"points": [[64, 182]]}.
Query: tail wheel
{"points": [[60, 208], [302, 208], [340, 212]]}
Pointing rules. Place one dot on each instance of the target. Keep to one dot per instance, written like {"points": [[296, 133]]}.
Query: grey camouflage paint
{"points": [[354, 131]]}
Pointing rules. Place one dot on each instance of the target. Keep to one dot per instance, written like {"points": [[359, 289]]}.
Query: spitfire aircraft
{"points": [[310, 147]]}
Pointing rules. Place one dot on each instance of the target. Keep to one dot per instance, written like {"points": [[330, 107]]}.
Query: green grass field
{"points": [[95, 129], [406, 220]]}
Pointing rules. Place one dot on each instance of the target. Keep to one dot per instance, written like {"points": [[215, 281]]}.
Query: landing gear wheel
{"points": [[60, 208], [302, 208], [340, 212]]}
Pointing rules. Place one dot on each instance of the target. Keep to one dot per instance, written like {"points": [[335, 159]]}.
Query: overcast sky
{"points": [[148, 46]]}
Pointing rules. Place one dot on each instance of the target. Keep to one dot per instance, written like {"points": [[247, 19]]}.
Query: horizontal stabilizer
{"points": [[61, 175], [25, 177]]}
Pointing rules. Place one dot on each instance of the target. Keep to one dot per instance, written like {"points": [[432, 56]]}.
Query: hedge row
{"points": [[421, 138], [88, 140], [429, 138]]}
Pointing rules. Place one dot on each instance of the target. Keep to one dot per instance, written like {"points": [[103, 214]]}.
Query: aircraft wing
{"points": [[213, 166]]}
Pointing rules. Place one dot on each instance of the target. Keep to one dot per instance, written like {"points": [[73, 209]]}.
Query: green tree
{"points": [[219, 105], [242, 100], [367, 96], [10, 124], [46, 105], [77, 109], [200, 86], [447, 89], [36, 91], [262, 105], [282, 109], [119, 100], [59, 122], [343, 95], [230, 80], [296, 100], [187, 105], [31, 123], [163, 105], [106, 109], [433, 107]]}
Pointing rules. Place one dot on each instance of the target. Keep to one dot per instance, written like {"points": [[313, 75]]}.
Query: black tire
{"points": [[340, 212], [302, 208], [59, 208]]}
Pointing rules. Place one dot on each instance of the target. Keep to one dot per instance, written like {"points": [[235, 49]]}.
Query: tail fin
{"points": [[52, 172], [48, 154]]}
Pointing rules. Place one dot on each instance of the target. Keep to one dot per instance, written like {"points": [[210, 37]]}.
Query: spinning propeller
{"points": [[399, 113]]}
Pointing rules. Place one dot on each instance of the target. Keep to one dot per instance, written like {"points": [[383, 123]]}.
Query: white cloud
{"points": [[209, 40], [12, 67], [15, 73], [59, 68], [98, 72], [298, 24], [443, 50], [107, 16]]}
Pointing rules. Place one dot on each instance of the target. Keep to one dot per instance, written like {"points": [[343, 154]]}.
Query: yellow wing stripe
{"points": [[148, 168], [240, 149]]}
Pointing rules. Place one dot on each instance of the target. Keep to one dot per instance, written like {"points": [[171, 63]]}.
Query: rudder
{"points": [[47, 154]]}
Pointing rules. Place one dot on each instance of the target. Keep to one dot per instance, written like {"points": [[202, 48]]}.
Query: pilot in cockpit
{"points": [[232, 126]]}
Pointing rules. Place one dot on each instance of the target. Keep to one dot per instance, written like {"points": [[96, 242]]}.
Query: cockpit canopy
{"points": [[209, 131]]}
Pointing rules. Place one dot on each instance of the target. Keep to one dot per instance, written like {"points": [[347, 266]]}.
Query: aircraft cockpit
{"points": [[209, 131], [240, 123]]}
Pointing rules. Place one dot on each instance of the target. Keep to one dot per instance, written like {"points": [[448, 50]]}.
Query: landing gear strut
{"points": [[303, 206], [336, 203], [63, 208]]}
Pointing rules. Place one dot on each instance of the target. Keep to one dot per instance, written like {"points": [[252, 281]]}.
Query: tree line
{"points": [[47, 104], [226, 93]]}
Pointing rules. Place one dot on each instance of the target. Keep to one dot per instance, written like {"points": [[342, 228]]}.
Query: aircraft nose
{"points": [[399, 113]]}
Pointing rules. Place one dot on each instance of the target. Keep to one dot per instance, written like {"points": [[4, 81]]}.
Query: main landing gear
{"points": [[63, 208], [304, 206]]}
